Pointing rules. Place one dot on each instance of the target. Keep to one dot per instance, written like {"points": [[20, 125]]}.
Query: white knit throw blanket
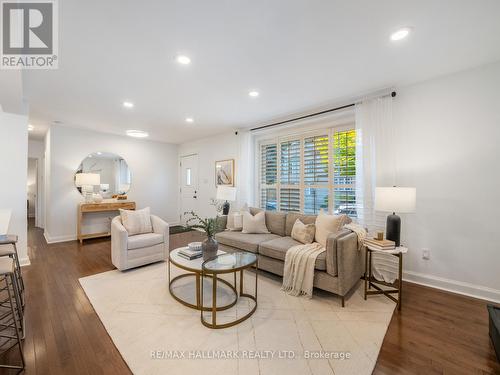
{"points": [[298, 274], [360, 232]]}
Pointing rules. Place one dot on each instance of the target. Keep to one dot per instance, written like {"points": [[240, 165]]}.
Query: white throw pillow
{"points": [[327, 224], [136, 222], [303, 232], [254, 224], [235, 219]]}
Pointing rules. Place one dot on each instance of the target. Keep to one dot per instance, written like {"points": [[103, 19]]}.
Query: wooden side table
{"points": [[107, 205], [370, 281]]}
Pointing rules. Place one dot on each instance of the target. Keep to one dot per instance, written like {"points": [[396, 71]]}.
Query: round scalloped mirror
{"points": [[103, 173]]}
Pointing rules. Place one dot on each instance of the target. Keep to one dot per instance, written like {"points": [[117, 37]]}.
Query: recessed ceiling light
{"points": [[128, 104], [189, 120], [30, 128], [400, 34], [184, 60], [253, 93], [137, 133], [99, 153]]}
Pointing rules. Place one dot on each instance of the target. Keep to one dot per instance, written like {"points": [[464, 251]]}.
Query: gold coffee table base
{"points": [[198, 305], [213, 324]]}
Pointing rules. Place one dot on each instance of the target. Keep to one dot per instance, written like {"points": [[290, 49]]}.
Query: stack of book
{"points": [[193, 251], [380, 244]]}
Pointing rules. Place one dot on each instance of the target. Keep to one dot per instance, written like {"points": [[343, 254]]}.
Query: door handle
{"points": [[194, 196]]}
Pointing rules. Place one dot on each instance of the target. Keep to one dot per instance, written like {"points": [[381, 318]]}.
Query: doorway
{"points": [[189, 184], [32, 191]]}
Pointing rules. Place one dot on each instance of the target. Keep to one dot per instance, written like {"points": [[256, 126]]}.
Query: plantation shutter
{"points": [[290, 175], [316, 160], [268, 176], [344, 176]]}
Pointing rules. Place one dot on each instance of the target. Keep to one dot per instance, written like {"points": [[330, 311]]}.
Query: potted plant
{"points": [[208, 225]]}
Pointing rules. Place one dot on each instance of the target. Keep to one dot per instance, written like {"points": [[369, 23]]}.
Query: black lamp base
{"points": [[393, 228], [225, 208]]}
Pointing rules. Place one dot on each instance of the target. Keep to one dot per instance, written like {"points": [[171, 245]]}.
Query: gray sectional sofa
{"points": [[338, 269]]}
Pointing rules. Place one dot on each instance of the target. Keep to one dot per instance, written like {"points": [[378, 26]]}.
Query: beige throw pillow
{"points": [[254, 224], [327, 224], [302, 232], [136, 222]]}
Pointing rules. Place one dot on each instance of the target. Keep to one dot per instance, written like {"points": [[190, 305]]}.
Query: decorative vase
{"points": [[209, 248]]}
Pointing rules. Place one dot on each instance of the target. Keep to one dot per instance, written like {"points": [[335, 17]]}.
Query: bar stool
{"points": [[11, 311], [11, 251]]}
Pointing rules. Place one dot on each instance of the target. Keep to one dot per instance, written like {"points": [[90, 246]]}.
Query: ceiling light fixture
{"points": [[189, 120], [128, 104], [30, 128], [184, 60], [253, 94], [400, 34], [137, 133]]}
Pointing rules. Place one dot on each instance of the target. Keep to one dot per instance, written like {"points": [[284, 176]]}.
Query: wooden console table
{"points": [[99, 207]]}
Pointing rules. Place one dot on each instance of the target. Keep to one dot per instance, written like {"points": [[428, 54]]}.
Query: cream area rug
{"points": [[155, 334]]}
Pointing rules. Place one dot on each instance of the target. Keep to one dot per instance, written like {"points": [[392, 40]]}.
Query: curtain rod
{"points": [[392, 94]]}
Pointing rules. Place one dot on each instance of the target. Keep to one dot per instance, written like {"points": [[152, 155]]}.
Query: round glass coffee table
{"points": [[181, 289], [224, 264]]}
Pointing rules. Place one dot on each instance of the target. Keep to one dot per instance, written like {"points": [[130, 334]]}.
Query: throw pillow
{"points": [[302, 232], [327, 224], [254, 224], [235, 220], [136, 222]]}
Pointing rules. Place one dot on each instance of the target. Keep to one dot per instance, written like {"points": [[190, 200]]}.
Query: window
{"points": [[188, 176], [268, 176], [310, 172]]}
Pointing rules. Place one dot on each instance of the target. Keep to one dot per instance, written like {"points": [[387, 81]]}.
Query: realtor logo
{"points": [[29, 34]]}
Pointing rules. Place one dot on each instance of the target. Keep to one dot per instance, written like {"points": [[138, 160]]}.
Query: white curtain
{"points": [[245, 169], [375, 157]]}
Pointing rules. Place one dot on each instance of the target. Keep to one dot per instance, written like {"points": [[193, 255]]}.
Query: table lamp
{"points": [[226, 193], [395, 199], [87, 181]]}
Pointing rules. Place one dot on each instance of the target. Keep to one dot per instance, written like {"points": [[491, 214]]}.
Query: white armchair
{"points": [[140, 249]]}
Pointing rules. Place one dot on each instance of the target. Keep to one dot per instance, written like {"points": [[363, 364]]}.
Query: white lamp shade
{"points": [[82, 179], [226, 193], [395, 199]]}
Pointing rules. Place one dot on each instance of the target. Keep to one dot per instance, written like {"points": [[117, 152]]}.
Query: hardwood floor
{"points": [[436, 332]]}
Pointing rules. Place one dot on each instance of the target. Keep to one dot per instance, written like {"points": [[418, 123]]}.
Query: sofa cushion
{"points": [[244, 241], [291, 217], [327, 224], [275, 221], [144, 240], [278, 247], [303, 232], [254, 224]]}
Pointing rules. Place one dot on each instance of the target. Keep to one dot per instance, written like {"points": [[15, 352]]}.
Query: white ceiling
{"points": [[300, 55]]}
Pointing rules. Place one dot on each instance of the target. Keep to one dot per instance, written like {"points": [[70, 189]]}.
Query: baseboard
{"points": [[460, 287], [24, 261], [55, 239]]}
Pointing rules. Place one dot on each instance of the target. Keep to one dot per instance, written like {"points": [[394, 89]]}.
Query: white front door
{"points": [[189, 184]]}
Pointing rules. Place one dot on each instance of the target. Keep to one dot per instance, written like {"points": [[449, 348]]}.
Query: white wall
{"points": [[153, 166], [36, 150], [13, 169], [448, 147], [209, 150]]}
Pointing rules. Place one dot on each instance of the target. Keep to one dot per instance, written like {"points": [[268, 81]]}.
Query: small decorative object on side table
{"points": [[370, 281], [208, 225]]}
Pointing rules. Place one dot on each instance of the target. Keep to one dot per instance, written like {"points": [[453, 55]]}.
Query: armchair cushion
{"points": [[144, 240], [136, 222]]}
